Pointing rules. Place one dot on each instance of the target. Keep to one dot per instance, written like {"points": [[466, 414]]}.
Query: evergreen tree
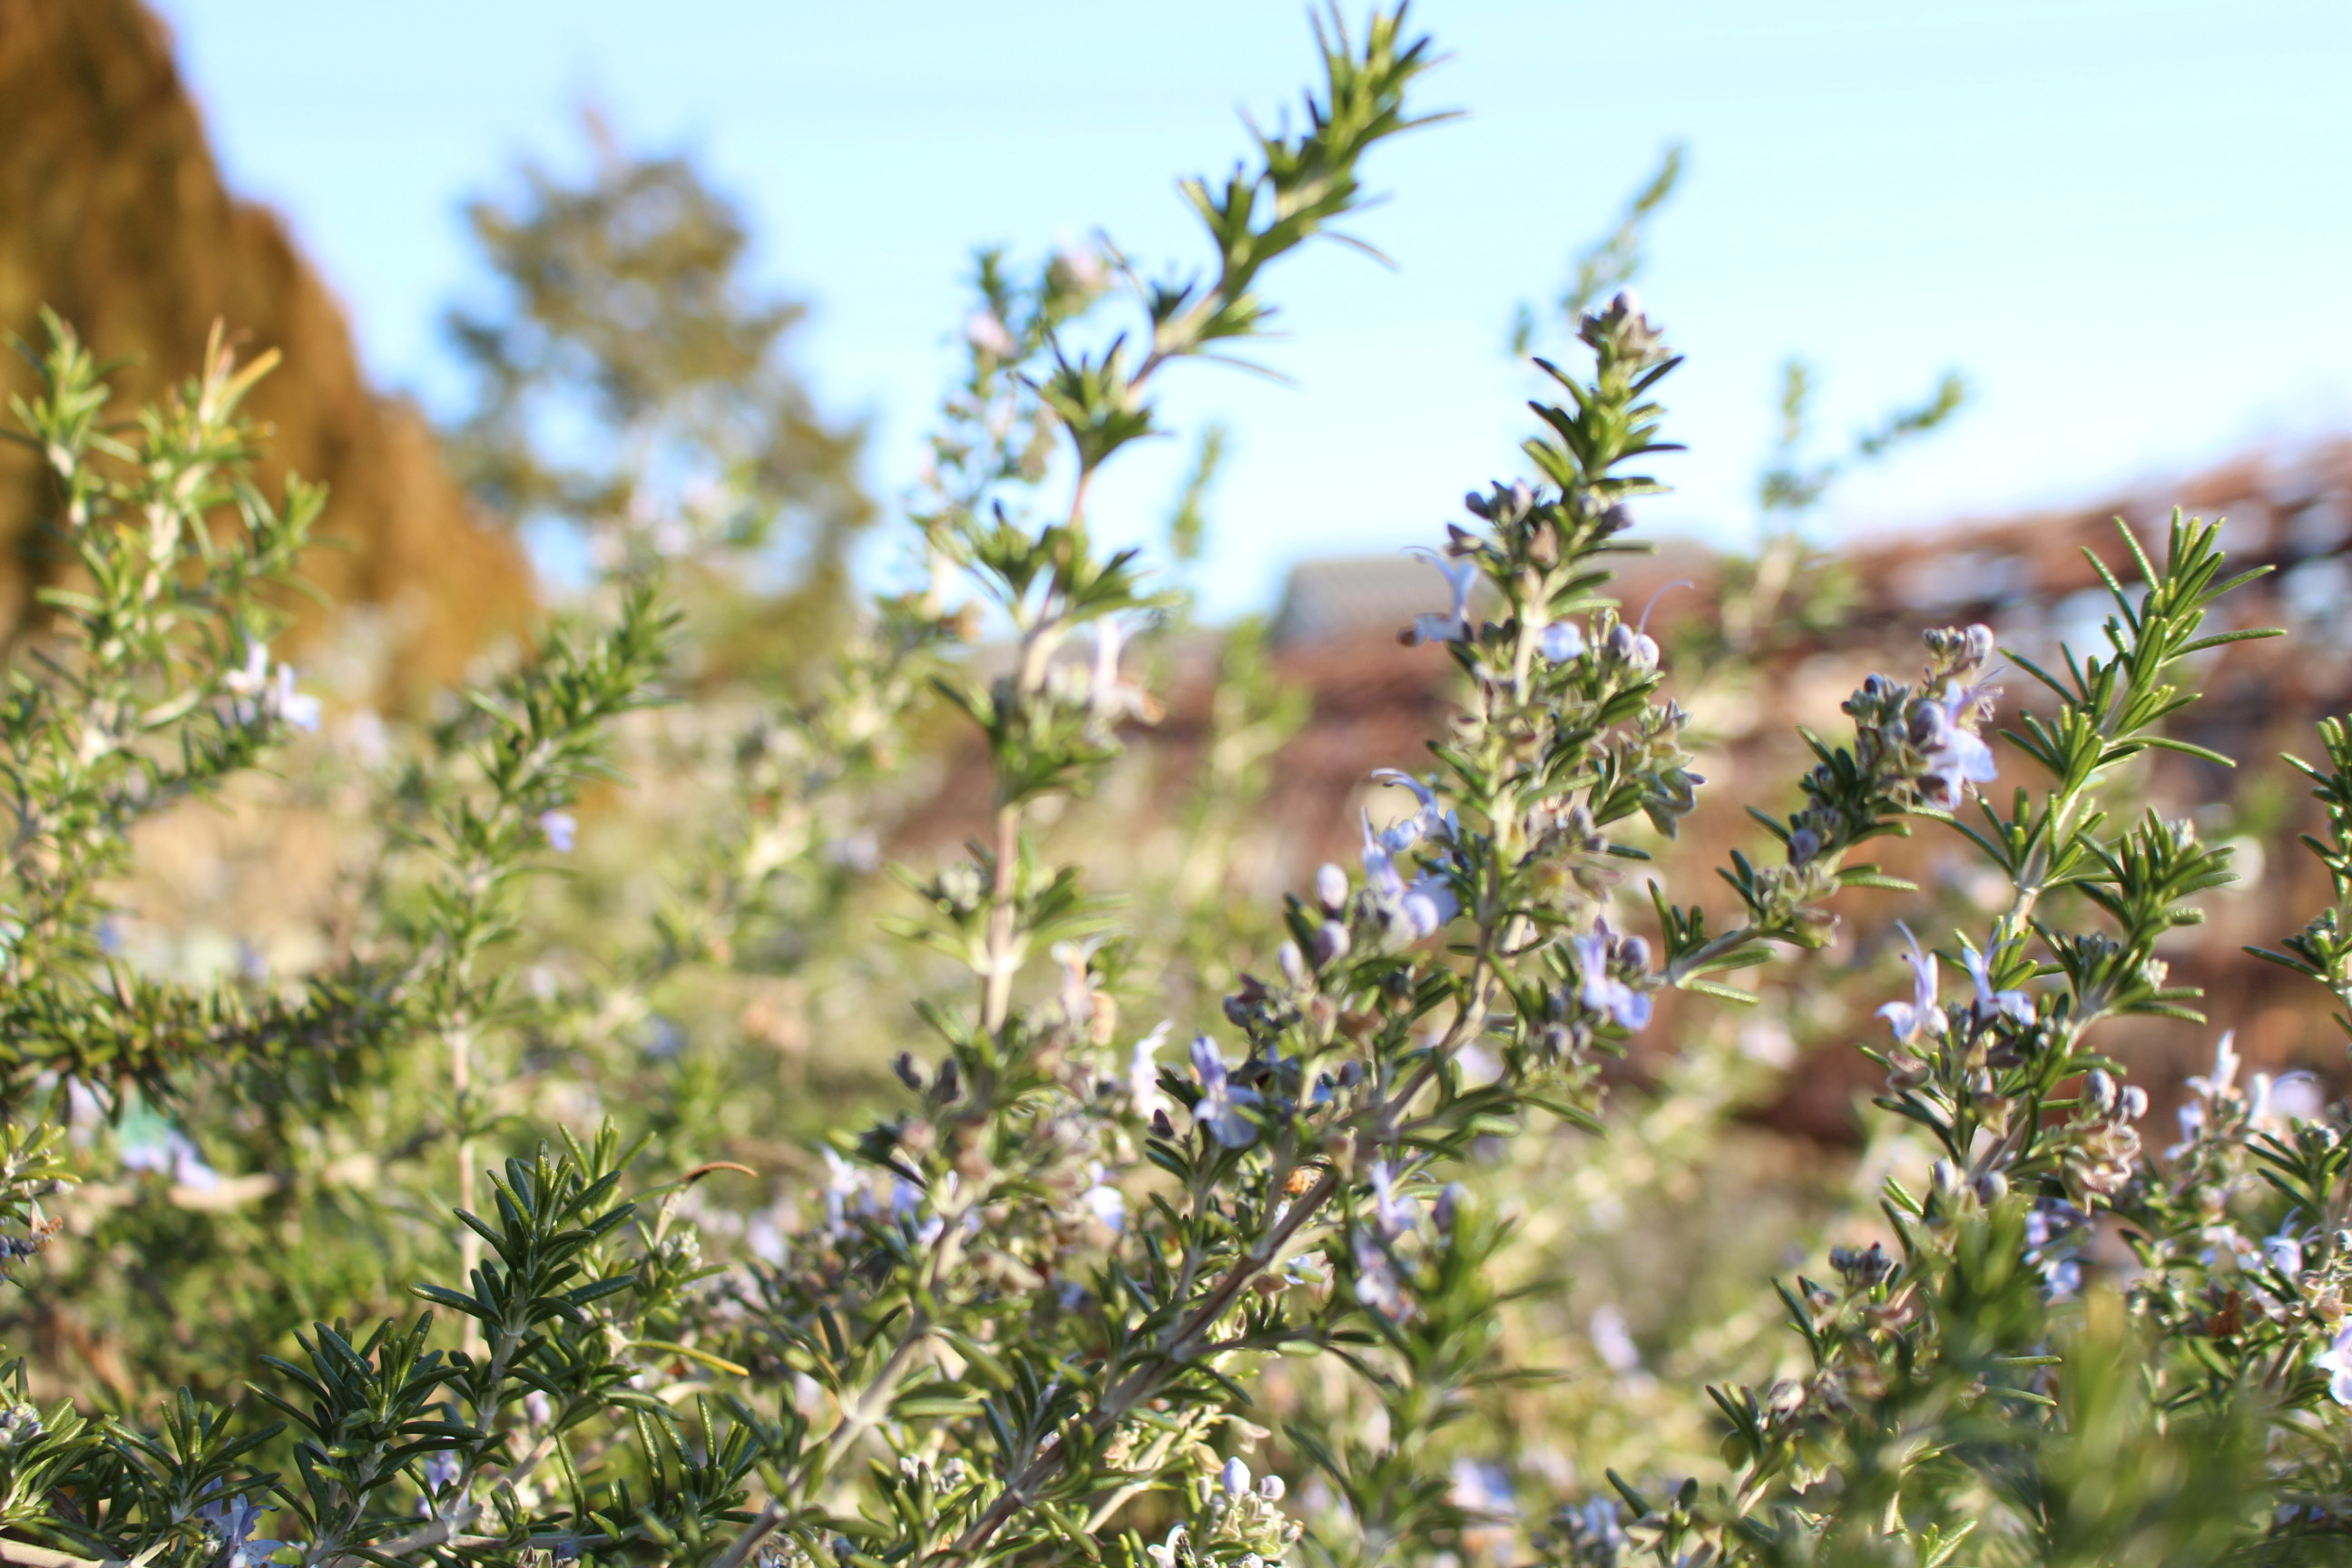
{"points": [[632, 384]]}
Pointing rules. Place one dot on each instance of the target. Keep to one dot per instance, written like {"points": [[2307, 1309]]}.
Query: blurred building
{"points": [[1376, 703]]}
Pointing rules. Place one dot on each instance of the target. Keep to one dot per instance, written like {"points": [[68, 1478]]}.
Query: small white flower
{"points": [[1110, 697], [2336, 1362], [296, 708], [1143, 1090]]}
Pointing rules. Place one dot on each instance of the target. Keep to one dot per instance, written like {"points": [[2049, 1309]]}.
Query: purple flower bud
{"points": [[1331, 888], [1331, 943]]}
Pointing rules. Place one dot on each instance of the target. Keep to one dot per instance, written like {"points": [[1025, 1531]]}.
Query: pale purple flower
{"points": [[2015, 1005], [1105, 1202], [1143, 1090], [1909, 1018], [1378, 1285], [441, 1472], [253, 680], [294, 707], [1480, 1486], [1392, 1214], [1429, 905], [1431, 820], [1084, 266], [272, 696], [1613, 1341], [984, 331], [1219, 1107], [232, 1524], [1637, 648], [2284, 1253], [2224, 1075], [1448, 1206], [1331, 888], [1235, 1477], [1110, 697], [1379, 865], [1460, 577], [172, 1153], [2336, 1362], [1955, 755], [1602, 991], [560, 828], [1595, 1525], [1560, 642], [2294, 1097]]}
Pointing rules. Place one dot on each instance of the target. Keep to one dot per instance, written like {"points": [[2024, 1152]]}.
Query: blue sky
{"points": [[2129, 223]]}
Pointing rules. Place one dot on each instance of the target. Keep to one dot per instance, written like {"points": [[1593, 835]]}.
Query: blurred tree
{"points": [[631, 387]]}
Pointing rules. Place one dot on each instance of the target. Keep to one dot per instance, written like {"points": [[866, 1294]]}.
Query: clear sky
{"points": [[2128, 222]]}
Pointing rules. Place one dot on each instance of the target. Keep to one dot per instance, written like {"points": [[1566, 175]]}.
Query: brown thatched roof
{"points": [[112, 211]]}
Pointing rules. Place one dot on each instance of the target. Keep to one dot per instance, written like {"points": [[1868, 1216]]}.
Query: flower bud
{"points": [[1331, 943], [1293, 963], [1634, 954], [1991, 1187], [903, 1064], [1271, 1488], [1236, 1478], [1448, 1207], [1331, 888]]}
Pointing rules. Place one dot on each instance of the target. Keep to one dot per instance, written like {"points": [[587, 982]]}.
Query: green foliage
{"points": [[631, 382], [1035, 1304]]}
